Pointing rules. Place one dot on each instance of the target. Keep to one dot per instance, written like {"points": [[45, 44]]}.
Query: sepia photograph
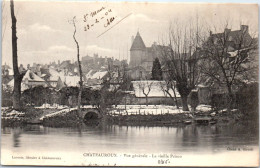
{"points": [[89, 83]]}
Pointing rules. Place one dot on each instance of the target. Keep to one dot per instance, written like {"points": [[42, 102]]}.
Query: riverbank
{"points": [[120, 115], [185, 118], [14, 118]]}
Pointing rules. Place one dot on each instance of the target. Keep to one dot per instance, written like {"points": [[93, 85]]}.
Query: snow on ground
{"points": [[143, 109], [64, 110], [203, 108], [153, 109], [57, 106], [12, 115], [225, 110], [15, 113], [120, 109], [61, 112], [87, 106], [4, 108], [54, 106]]}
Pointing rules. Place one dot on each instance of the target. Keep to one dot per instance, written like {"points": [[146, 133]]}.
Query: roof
{"points": [[6, 67], [138, 43], [234, 37], [98, 75], [157, 88], [6, 79], [65, 64], [86, 58], [32, 77], [90, 73]]}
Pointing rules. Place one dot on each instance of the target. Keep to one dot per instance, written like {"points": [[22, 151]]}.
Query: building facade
{"points": [[140, 55]]}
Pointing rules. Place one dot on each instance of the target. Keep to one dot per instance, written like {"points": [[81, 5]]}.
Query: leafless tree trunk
{"points": [[180, 60], [117, 82], [146, 87], [170, 85], [17, 75], [80, 70]]}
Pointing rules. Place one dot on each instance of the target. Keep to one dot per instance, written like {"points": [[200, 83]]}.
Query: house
{"points": [[51, 76], [7, 74], [143, 56], [30, 79], [97, 78], [232, 55], [232, 38], [154, 92]]}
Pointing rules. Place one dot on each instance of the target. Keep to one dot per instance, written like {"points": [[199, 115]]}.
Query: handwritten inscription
{"points": [[109, 21], [164, 161], [101, 16]]}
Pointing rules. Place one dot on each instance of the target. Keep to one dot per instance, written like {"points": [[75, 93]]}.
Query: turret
{"points": [[137, 51]]}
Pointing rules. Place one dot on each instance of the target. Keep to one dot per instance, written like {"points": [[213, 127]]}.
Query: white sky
{"points": [[44, 33]]}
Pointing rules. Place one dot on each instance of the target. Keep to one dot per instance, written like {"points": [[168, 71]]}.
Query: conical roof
{"points": [[138, 43]]}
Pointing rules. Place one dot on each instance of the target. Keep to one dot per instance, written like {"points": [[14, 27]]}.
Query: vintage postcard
{"points": [[129, 84]]}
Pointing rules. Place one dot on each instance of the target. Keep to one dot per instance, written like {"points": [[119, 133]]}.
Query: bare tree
{"points": [[17, 75], [79, 64], [169, 88], [228, 56], [180, 62], [145, 86], [117, 82]]}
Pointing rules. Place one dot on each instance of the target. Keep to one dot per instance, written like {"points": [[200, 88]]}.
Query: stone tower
{"points": [[137, 51]]}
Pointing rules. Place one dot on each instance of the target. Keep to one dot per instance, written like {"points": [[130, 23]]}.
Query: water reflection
{"points": [[16, 137], [128, 138], [190, 136]]}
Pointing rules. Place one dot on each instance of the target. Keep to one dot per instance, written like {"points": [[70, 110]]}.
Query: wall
{"points": [[136, 57]]}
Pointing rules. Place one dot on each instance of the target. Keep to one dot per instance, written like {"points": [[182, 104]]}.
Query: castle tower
{"points": [[137, 51]]}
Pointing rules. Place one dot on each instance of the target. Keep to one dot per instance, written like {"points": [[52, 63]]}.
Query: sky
{"points": [[45, 29]]}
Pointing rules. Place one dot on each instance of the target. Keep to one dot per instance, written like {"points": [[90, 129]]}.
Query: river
{"points": [[190, 139]]}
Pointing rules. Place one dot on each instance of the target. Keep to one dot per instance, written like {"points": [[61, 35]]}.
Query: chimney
{"points": [[244, 28], [227, 31]]}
